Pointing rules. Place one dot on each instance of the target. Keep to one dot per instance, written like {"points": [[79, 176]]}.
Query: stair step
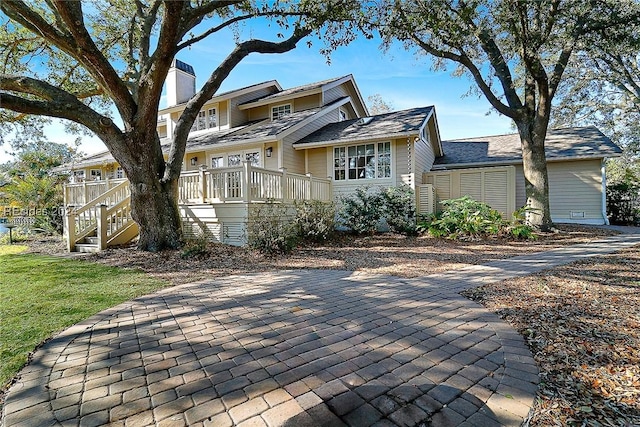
{"points": [[86, 248], [91, 240]]}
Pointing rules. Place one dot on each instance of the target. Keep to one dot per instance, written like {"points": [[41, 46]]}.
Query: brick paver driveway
{"points": [[297, 348]]}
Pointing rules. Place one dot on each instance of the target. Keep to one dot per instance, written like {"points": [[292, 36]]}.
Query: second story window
{"points": [[206, 120], [280, 111], [212, 120]]}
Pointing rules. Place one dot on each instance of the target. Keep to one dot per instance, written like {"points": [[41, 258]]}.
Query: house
{"points": [[318, 141]]}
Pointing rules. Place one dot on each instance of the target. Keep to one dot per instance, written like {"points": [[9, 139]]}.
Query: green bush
{"points": [[315, 220], [362, 211], [270, 229], [400, 209], [465, 218], [623, 203]]}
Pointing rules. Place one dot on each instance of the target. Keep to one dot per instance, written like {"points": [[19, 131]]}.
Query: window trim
{"points": [[376, 157], [281, 106]]}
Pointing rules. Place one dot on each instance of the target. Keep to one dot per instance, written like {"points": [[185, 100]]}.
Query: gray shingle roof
{"points": [[288, 92], [567, 143], [398, 123]]}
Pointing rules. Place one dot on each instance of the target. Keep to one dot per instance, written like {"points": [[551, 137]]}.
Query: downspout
{"points": [[604, 191]]}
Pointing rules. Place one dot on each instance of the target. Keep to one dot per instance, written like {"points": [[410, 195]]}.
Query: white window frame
{"points": [[77, 176], [215, 117], [95, 177], [342, 115], [215, 156], [342, 170], [277, 114], [243, 157]]}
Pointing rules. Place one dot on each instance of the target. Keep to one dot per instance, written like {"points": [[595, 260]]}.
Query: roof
{"points": [[395, 124], [287, 93], [561, 144], [258, 131]]}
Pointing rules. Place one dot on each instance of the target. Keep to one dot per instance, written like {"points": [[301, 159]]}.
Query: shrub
{"points": [[518, 227], [400, 209], [623, 203], [315, 220], [465, 218], [270, 229], [362, 211]]}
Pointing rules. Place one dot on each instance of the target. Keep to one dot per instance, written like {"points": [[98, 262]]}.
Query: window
{"points": [[77, 176], [95, 174], [253, 158], [342, 114], [212, 120], [366, 161], [234, 160], [205, 120], [217, 162], [119, 173], [280, 111]]}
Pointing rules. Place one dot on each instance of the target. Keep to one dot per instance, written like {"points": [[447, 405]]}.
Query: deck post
{"points": [[285, 186], [86, 195], [245, 181], [310, 186], [101, 224], [203, 186], [70, 229]]}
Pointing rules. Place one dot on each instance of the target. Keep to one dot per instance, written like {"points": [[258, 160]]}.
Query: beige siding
{"points": [[402, 163], [259, 113], [240, 117], [494, 186], [424, 157], [573, 187], [306, 102], [345, 188], [317, 162], [335, 93], [575, 191], [201, 159], [521, 196], [294, 160], [219, 222], [271, 162], [223, 113]]}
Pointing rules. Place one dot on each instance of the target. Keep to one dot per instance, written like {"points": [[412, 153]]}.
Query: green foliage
{"points": [[465, 218], [623, 200], [400, 209], [315, 220], [42, 295], [270, 229], [362, 211], [18, 235]]}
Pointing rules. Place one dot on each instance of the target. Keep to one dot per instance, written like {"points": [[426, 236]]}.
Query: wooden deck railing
{"points": [[82, 193], [250, 184]]}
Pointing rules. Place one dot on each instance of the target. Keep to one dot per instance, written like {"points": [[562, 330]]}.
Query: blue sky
{"points": [[399, 76]]}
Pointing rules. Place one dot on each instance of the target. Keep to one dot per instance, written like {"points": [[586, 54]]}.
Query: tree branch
{"points": [[54, 102], [93, 60], [192, 108]]}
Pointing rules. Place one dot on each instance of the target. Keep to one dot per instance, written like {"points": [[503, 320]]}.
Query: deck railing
{"points": [[81, 193], [250, 184]]}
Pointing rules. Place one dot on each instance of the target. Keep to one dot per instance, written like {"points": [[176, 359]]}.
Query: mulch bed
{"points": [[582, 323]]}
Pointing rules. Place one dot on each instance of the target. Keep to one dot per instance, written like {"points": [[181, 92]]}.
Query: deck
{"points": [[213, 203]]}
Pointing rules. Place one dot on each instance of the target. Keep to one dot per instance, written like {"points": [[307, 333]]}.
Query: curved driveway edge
{"points": [[294, 348]]}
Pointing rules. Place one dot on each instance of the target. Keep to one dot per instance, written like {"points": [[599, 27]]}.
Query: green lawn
{"points": [[41, 295]]}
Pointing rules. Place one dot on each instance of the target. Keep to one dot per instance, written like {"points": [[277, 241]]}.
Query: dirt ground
{"points": [[581, 321]]}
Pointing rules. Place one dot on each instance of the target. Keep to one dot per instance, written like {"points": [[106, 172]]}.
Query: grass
{"points": [[42, 295]]}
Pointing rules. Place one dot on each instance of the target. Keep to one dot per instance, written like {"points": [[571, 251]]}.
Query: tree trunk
{"points": [[154, 207], [536, 179], [154, 201]]}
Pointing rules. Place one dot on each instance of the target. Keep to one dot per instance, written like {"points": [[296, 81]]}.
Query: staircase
{"points": [[102, 222]]}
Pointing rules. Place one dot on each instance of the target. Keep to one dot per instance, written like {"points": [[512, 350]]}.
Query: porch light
{"points": [[194, 161], [269, 151]]}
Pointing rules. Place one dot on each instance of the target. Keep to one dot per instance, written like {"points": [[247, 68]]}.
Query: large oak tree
{"points": [[515, 51], [77, 60]]}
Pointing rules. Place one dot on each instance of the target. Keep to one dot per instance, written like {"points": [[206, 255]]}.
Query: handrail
{"points": [[103, 197]]}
